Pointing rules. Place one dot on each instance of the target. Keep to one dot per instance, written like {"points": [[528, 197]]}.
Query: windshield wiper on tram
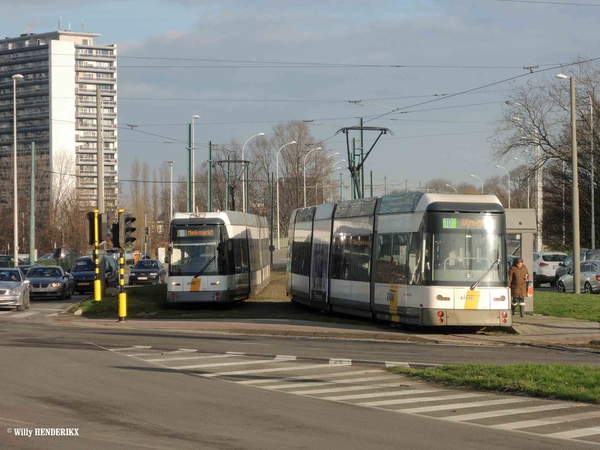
{"points": [[483, 275], [204, 268]]}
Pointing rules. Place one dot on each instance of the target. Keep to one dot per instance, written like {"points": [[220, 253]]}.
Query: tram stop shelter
{"points": [[520, 234]]}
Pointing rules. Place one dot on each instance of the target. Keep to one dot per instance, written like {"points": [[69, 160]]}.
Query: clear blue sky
{"points": [[439, 47]]}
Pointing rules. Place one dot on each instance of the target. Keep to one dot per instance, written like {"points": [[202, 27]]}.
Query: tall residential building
{"points": [[57, 109]]}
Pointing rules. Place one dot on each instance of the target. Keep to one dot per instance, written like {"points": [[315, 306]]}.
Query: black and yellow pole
{"points": [[122, 294], [97, 281]]}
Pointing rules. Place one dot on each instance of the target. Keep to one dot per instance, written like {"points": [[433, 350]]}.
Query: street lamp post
{"points": [[15, 198], [575, 189], [304, 171], [519, 159], [170, 163], [475, 176], [244, 166], [277, 180], [508, 175], [538, 180], [592, 169], [330, 172], [449, 185], [193, 168]]}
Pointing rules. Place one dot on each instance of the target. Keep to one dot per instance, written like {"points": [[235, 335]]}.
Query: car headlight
{"points": [[16, 291], [56, 284]]}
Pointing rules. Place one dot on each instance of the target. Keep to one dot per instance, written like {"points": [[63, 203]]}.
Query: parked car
{"points": [[589, 278], [544, 267], [568, 263], [147, 271], [14, 289], [9, 261], [114, 253], [50, 281], [84, 273], [26, 267]]}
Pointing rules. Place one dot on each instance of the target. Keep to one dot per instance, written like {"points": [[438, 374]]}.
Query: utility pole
{"points": [[32, 208], [100, 173], [209, 206]]}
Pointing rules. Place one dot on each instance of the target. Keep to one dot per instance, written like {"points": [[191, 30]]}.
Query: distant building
{"points": [[56, 109]]}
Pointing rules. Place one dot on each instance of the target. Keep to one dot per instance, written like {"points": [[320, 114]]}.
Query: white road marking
{"points": [[547, 421], [340, 362], [24, 314], [242, 363], [582, 432], [419, 400], [380, 394], [253, 371], [184, 358], [308, 377], [326, 383], [342, 389], [135, 347], [503, 401], [506, 412]]}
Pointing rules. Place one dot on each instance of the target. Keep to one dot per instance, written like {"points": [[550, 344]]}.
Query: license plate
{"points": [[84, 284], [142, 278]]}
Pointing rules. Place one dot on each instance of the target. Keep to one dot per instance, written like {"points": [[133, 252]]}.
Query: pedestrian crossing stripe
{"points": [[376, 388]]}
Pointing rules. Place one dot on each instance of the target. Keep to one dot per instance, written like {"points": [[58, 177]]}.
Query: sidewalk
{"points": [[528, 330]]}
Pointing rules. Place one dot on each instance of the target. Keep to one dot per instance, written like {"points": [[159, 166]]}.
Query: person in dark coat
{"points": [[518, 276]]}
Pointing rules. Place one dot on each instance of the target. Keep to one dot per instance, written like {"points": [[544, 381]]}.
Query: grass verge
{"points": [[573, 306], [552, 381]]}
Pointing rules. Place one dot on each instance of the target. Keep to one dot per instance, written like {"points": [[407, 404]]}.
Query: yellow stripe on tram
{"points": [[195, 285], [472, 301]]}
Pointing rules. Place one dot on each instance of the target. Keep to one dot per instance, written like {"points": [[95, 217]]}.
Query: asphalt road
{"points": [[172, 390]]}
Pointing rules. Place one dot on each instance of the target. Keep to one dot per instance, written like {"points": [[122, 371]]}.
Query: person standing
{"points": [[518, 276]]}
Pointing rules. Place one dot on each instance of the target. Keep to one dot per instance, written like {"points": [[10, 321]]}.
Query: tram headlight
{"points": [[442, 298], [500, 299]]}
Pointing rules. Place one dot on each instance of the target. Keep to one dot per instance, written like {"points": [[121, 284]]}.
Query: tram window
{"points": [[351, 258]]}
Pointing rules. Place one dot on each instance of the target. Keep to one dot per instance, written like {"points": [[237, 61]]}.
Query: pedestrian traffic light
{"points": [[116, 238], [129, 230], [91, 227]]}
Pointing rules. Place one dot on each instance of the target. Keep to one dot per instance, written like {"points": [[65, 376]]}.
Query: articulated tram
{"points": [[412, 258], [217, 257]]}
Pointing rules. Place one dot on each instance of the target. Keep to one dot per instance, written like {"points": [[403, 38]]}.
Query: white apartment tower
{"points": [[56, 105]]}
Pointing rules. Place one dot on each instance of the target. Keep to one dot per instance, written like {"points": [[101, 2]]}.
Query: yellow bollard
{"points": [[122, 306], [97, 290]]}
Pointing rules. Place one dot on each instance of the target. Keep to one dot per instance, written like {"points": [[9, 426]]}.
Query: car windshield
{"points": [[554, 258], [43, 272], [10, 275], [146, 264], [84, 265]]}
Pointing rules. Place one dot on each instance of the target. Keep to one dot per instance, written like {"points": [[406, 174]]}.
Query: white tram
{"points": [[217, 257], [413, 258]]}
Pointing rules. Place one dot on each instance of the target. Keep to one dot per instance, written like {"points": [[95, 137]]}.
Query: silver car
{"points": [[14, 289], [50, 281], [589, 279]]}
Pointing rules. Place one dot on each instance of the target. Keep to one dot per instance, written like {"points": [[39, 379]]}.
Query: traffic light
{"points": [[129, 230], [91, 228], [116, 238]]}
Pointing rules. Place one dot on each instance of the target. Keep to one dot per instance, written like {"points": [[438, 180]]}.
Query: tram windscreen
{"points": [[465, 246], [195, 250]]}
